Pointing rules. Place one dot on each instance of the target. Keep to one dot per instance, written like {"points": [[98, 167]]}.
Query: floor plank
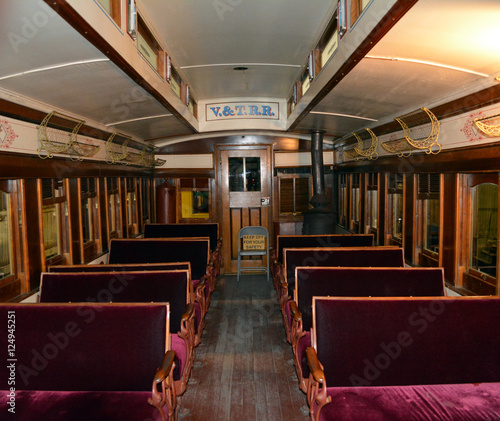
{"points": [[243, 367]]}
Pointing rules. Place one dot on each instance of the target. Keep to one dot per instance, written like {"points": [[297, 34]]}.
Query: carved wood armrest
{"points": [[284, 292], [316, 389], [199, 295], [166, 394], [187, 327], [296, 329]]}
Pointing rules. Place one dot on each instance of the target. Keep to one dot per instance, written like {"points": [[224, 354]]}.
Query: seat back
{"points": [[209, 229], [407, 341], [173, 287], [340, 256], [321, 240], [364, 282], [160, 250], [86, 347], [133, 267]]}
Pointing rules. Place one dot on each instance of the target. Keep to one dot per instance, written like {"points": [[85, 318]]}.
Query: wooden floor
{"points": [[243, 367]]}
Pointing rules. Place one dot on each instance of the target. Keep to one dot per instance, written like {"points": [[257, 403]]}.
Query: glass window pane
{"points": [[236, 174], [484, 221], [195, 205], [253, 173], [51, 230], [372, 199], [5, 236], [431, 225]]}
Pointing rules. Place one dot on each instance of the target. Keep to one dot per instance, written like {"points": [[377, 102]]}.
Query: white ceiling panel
{"points": [[265, 81], [33, 36]]}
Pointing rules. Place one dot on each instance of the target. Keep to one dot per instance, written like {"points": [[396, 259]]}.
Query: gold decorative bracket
{"points": [[114, 152], [490, 126], [370, 152], [421, 130], [399, 146]]}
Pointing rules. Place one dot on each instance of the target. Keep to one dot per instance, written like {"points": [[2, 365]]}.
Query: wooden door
{"points": [[244, 176]]}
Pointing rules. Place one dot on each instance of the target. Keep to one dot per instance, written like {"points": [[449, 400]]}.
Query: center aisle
{"points": [[243, 367]]}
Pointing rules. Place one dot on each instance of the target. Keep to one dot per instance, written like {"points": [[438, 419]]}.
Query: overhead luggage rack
{"points": [[421, 130], [58, 134], [398, 146], [116, 152], [365, 137], [490, 126]]}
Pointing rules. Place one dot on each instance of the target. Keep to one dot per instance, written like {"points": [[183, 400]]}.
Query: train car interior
{"points": [[307, 118]]}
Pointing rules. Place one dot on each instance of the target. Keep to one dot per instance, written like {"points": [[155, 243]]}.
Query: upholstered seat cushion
{"points": [[448, 402], [80, 406], [303, 344], [179, 346]]}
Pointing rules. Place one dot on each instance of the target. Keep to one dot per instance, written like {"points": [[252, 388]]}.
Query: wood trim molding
{"points": [[90, 34], [386, 23]]}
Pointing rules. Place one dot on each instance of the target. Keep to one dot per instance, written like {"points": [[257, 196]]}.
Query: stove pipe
{"points": [[318, 220], [319, 199]]}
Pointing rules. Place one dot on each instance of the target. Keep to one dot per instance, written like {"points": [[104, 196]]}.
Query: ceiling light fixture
{"points": [[343, 115], [58, 66], [428, 63], [240, 68]]}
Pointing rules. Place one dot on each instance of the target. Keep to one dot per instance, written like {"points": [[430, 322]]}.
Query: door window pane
{"points": [[252, 173], [484, 220], [5, 236], [236, 174]]}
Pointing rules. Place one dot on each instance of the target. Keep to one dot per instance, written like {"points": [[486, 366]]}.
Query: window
{"points": [[6, 249], [12, 278], [148, 46], [132, 217], [343, 203], [195, 198], [114, 208], [484, 228], [294, 193], [55, 221], [146, 200], [428, 209], [89, 217], [395, 207], [244, 174], [113, 9], [357, 7], [355, 202], [372, 203]]}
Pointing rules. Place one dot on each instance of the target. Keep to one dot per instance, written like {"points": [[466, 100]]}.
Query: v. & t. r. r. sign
{"points": [[242, 110]]}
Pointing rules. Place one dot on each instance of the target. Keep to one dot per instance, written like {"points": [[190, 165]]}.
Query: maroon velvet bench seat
{"points": [[383, 256], [205, 229], [129, 287], [196, 251], [405, 359], [309, 241], [198, 291], [75, 362], [352, 282]]}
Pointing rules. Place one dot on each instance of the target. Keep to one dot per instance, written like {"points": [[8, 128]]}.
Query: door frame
{"points": [[223, 205]]}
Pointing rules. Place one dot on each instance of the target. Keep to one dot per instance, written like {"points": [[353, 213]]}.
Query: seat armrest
{"points": [[296, 314], [317, 397], [164, 381]]}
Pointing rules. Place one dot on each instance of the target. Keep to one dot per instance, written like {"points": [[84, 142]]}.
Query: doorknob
{"points": [[264, 201]]}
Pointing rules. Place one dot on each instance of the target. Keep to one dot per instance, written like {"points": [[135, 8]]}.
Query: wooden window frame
{"points": [[116, 11], [90, 249], [371, 185], [145, 32], [132, 208], [63, 257], [114, 191], [392, 190], [285, 215], [473, 280]]}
